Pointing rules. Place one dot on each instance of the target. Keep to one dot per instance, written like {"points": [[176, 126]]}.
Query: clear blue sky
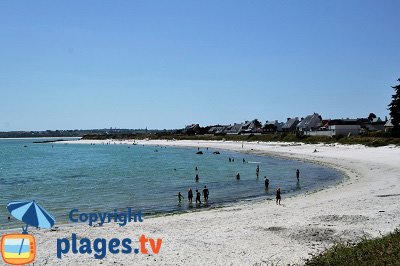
{"points": [[165, 64]]}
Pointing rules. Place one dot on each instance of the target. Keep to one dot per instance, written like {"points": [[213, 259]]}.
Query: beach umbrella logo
{"points": [[19, 249]]}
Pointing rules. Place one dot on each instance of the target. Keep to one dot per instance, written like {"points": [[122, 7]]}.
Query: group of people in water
{"points": [[198, 196], [206, 191]]}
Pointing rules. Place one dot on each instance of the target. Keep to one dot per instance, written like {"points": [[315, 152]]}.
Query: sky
{"points": [[167, 64]]}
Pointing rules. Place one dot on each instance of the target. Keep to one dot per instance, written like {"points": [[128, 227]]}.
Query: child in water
{"points": [[180, 197]]}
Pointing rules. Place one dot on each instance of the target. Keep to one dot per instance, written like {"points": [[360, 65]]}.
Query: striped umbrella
{"points": [[31, 213]]}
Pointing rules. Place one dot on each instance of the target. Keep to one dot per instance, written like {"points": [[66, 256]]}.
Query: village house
{"points": [[290, 125], [310, 123]]}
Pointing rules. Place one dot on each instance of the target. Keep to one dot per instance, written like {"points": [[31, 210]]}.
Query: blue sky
{"points": [[165, 64]]}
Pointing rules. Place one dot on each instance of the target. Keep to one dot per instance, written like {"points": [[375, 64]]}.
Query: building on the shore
{"points": [[290, 125], [389, 125], [375, 125], [234, 129], [192, 129], [310, 123], [272, 126], [217, 130], [251, 127]]}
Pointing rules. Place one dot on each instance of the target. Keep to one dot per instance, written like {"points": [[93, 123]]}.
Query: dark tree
{"points": [[394, 108], [371, 116]]}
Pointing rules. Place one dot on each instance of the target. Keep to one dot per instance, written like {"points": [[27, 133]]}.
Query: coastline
{"points": [[259, 231]]}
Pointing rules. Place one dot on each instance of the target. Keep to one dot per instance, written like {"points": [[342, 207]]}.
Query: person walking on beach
{"points": [[198, 195], [190, 195], [205, 193], [266, 182], [197, 178], [298, 175], [278, 196], [180, 197]]}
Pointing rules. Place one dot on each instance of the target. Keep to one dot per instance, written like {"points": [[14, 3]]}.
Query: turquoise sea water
{"points": [[62, 177]]}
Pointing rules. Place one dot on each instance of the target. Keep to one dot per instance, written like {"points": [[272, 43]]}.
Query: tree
{"points": [[371, 116], [394, 108]]}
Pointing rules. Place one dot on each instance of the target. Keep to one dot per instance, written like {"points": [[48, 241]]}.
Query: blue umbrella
{"points": [[31, 213]]}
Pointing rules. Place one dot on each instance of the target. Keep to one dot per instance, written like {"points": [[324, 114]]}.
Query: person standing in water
{"points": [[198, 195], [266, 182], [278, 196], [237, 176], [190, 195], [257, 170], [197, 178], [196, 168], [244, 160], [298, 175], [205, 193], [230, 159], [180, 197]]}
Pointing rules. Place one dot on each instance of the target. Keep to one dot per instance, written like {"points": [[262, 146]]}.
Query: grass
{"points": [[379, 251], [372, 140]]}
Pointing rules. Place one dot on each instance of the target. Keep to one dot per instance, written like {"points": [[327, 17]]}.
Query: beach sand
{"points": [[365, 204]]}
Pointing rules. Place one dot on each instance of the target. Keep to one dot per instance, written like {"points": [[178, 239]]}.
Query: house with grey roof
{"points": [[217, 130], [251, 127], [273, 126], [310, 123], [234, 129], [290, 125]]}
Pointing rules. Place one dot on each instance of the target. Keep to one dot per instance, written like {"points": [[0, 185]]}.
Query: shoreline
{"points": [[305, 224]]}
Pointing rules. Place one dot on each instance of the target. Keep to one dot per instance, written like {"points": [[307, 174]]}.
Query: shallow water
{"points": [[62, 177]]}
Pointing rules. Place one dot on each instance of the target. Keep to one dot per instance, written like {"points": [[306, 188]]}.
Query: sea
{"points": [[99, 178]]}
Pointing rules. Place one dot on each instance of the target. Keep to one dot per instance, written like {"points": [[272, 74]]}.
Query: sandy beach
{"points": [[365, 204]]}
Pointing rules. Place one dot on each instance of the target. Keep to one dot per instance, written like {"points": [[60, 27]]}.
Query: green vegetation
{"points": [[373, 140], [380, 251], [394, 108]]}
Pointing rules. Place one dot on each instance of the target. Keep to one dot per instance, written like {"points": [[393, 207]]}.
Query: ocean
{"points": [[62, 177]]}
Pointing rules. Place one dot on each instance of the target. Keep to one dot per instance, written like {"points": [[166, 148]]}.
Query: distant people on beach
{"points": [[190, 195], [237, 176], [180, 197], [278, 196], [198, 195], [298, 175], [205, 193], [266, 182], [197, 178]]}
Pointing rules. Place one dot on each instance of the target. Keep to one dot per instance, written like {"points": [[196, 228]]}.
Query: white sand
{"points": [[261, 233]]}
